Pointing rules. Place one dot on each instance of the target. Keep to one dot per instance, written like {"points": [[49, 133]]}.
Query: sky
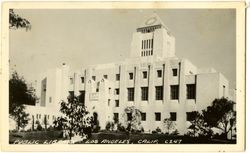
{"points": [[206, 37]]}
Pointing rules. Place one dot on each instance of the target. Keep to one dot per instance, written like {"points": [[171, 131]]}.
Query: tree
{"points": [[76, 120], [198, 126], [133, 119], [220, 114], [15, 21], [19, 94], [169, 124]]}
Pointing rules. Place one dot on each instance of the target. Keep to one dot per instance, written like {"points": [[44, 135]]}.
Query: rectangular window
{"points": [[144, 74], [174, 91], [130, 94], [131, 76], [116, 117], [36, 116], [157, 116], [174, 72], [40, 116], [159, 73], [48, 116], [50, 99], [129, 116], [71, 80], [108, 102], [82, 79], [173, 116], [82, 96], [117, 77], [191, 91], [142, 44], [117, 91], [143, 116], [93, 78], [105, 76], [159, 92], [189, 116], [144, 93], [116, 103]]}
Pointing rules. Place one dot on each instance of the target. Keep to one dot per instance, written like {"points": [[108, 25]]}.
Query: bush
{"points": [[158, 130], [175, 132], [121, 128], [109, 126], [39, 127]]}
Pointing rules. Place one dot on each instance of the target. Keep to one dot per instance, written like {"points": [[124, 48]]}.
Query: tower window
{"points": [[108, 102], [116, 103], [130, 94], [143, 116], [82, 79], [159, 73], [159, 92], [144, 93], [191, 91], [174, 72], [131, 76], [144, 74], [117, 77], [157, 116], [174, 91], [50, 99], [117, 91], [93, 78], [105, 76], [173, 116]]}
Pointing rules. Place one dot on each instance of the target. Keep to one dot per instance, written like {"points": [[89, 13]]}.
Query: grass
{"points": [[107, 137]]}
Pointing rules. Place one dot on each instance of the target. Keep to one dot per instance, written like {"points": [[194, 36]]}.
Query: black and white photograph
{"points": [[122, 76]]}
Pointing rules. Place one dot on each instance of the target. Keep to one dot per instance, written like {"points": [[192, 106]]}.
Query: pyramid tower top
{"points": [[152, 20]]}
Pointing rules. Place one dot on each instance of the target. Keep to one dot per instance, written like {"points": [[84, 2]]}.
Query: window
{"points": [[191, 91], [105, 76], [174, 72], [93, 78], [82, 79], [97, 89], [159, 73], [116, 103], [159, 92], [117, 91], [71, 80], [108, 102], [174, 91], [131, 76], [157, 116], [82, 96], [71, 93], [36, 116], [40, 116], [53, 117], [173, 116], [129, 116], [189, 116], [144, 93], [130, 94], [144, 74], [116, 117], [50, 99], [117, 77], [143, 116], [48, 116]]}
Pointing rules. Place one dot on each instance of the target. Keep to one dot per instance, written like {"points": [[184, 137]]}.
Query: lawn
{"points": [[106, 137]]}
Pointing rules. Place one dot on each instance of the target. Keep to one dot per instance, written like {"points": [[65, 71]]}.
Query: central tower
{"points": [[152, 39]]}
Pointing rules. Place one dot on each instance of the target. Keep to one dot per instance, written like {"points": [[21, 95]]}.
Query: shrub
{"points": [[175, 132], [109, 126], [158, 130], [121, 128], [39, 127]]}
